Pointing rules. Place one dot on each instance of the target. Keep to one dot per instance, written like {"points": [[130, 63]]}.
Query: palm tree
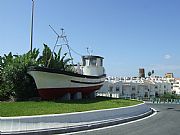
{"points": [[149, 74], [54, 60]]}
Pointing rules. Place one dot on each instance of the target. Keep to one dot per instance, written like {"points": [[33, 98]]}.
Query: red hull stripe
{"points": [[53, 93]]}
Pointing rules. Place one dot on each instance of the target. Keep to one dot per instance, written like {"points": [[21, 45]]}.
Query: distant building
{"points": [[133, 87], [141, 72], [176, 86], [169, 75]]}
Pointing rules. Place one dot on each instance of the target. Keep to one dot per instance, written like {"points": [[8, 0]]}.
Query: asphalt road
{"points": [[165, 122]]}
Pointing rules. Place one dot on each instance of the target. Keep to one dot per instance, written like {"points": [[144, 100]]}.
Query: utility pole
{"points": [[32, 21]]}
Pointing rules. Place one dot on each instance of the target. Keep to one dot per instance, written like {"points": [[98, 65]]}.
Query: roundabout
{"points": [[72, 122]]}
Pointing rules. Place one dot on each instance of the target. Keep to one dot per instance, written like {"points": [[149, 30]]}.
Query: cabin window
{"points": [[84, 62], [101, 62], [93, 62], [87, 62]]}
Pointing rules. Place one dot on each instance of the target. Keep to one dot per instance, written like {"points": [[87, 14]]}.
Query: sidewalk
{"points": [[63, 123]]}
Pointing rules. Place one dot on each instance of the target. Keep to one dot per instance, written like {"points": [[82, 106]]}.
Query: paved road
{"points": [[165, 122]]}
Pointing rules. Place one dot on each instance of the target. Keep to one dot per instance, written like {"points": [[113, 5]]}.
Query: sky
{"points": [[129, 34]]}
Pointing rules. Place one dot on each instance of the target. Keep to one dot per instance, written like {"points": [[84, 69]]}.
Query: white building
{"points": [[176, 86], [128, 87]]}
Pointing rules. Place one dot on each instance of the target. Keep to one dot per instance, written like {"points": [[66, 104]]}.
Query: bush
{"points": [[169, 96], [14, 80]]}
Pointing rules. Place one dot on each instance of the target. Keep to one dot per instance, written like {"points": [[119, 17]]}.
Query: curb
{"points": [[70, 129]]}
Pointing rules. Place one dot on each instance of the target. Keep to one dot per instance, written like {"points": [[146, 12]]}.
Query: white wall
{"points": [[135, 88]]}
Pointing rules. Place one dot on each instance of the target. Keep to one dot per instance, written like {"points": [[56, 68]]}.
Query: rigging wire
{"points": [[75, 52]]}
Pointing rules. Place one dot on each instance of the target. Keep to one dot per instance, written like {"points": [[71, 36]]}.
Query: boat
{"points": [[54, 83]]}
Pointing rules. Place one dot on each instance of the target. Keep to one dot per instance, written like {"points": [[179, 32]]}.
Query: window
{"points": [[110, 88], [117, 88], [99, 62], [133, 95], [156, 94], [122, 92], [146, 94], [93, 62], [83, 61], [133, 88], [87, 62]]}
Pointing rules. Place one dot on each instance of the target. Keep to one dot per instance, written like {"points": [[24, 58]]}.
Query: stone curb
{"points": [[70, 129]]}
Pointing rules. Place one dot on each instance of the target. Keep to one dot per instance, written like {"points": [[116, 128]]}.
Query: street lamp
{"points": [[32, 21]]}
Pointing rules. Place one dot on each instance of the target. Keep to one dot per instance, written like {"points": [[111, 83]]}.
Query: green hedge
{"points": [[15, 83]]}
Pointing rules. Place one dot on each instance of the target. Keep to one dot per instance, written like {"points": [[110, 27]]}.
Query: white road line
{"points": [[155, 112]]}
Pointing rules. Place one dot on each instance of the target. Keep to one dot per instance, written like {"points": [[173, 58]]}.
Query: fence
{"points": [[152, 100], [165, 101]]}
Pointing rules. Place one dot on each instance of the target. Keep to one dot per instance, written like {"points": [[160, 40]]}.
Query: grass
{"points": [[29, 108]]}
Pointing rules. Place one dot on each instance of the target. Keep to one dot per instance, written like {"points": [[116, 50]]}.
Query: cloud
{"points": [[167, 56]]}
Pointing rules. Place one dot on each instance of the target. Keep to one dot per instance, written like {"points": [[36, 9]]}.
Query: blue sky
{"points": [[129, 34]]}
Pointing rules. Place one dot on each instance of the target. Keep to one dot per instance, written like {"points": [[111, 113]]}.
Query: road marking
{"points": [[73, 133]]}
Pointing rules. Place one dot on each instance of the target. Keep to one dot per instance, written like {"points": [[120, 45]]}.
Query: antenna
{"points": [[64, 38], [89, 51]]}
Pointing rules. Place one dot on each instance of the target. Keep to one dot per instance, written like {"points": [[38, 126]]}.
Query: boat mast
{"points": [[64, 38], [32, 21]]}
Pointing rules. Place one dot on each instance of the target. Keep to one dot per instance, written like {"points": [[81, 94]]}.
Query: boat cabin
{"points": [[90, 60], [92, 65]]}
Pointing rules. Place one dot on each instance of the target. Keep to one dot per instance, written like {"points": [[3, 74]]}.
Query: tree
{"points": [[15, 81], [149, 74], [152, 71], [46, 55], [47, 59], [5, 90]]}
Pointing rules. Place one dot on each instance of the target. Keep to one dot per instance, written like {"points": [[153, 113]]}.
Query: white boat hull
{"points": [[52, 84]]}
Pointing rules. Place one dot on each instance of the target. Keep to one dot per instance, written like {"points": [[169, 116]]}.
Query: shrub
{"points": [[14, 80]]}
